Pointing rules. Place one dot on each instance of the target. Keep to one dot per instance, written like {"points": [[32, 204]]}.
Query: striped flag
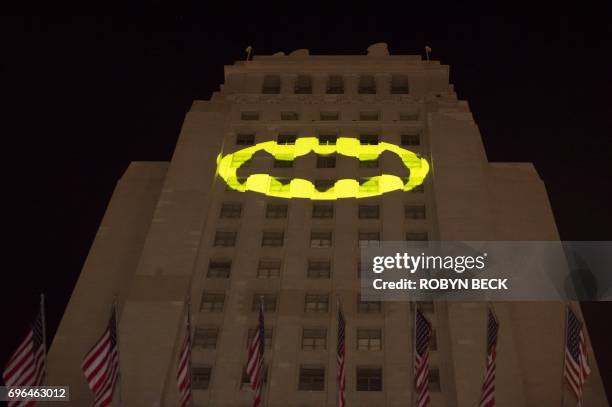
{"points": [[576, 361], [422, 336], [255, 365], [101, 364], [27, 366], [341, 376], [183, 373], [487, 399]]}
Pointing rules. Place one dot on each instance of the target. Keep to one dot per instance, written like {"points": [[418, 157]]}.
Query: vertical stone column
{"points": [[319, 84], [351, 84], [383, 83], [288, 84]]}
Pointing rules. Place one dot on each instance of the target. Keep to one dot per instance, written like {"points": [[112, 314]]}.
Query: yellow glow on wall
{"points": [[228, 165]]}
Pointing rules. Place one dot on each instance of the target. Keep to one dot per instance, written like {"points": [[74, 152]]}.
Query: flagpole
{"points": [[414, 387], [115, 310], [44, 333], [190, 346], [564, 347]]}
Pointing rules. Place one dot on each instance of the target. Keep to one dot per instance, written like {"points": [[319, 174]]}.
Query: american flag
{"points": [[255, 365], [576, 362], [487, 399], [183, 373], [101, 365], [341, 376], [27, 366], [422, 335]]}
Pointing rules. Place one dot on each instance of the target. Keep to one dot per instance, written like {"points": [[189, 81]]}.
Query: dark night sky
{"points": [[81, 98]]}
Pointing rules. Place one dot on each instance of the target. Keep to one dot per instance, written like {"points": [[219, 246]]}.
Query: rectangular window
{"points": [[246, 380], [328, 139], [212, 302], [326, 161], [329, 116], [414, 211], [225, 239], [368, 116], [368, 239], [303, 84], [272, 239], [369, 339], [369, 379], [249, 116], [290, 116], [286, 139], [321, 240], [367, 84], [416, 236], [409, 116], [316, 303], [245, 139], [205, 338], [269, 302], [369, 211], [399, 84], [411, 139], [269, 268], [324, 184], [200, 377], [219, 268], [231, 210], [368, 307], [369, 164], [268, 336], [276, 211], [283, 164], [312, 378], [319, 269], [271, 84], [434, 379], [368, 139], [335, 85], [314, 339], [323, 211]]}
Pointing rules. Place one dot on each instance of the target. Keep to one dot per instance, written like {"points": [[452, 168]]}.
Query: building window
{"points": [[434, 379], [286, 139], [312, 378], [205, 338], [416, 236], [316, 303], [249, 116], [231, 210], [399, 84], [271, 84], [368, 307], [367, 84], [272, 239], [411, 139], [283, 164], [329, 116], [245, 139], [219, 268], [323, 211], [414, 211], [303, 84], [368, 139], [276, 211], [369, 239], [314, 339], [327, 139], [369, 379], [268, 336], [369, 211], [369, 339], [321, 240], [269, 302], [324, 184], [239, 181], [225, 239], [367, 185], [246, 380], [212, 302], [368, 116], [408, 116], [335, 85], [269, 268], [369, 163], [326, 161], [200, 377], [319, 269], [290, 116]]}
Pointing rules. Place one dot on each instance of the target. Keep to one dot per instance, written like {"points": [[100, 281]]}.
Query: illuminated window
{"points": [[268, 268], [326, 161], [414, 211], [368, 116], [272, 239], [369, 239], [323, 211], [249, 116], [200, 377], [268, 336], [328, 139], [316, 303], [231, 210], [369, 211], [321, 239], [369, 339], [369, 379], [212, 302], [303, 84], [314, 339], [286, 139], [225, 239], [367, 84], [271, 84], [219, 268], [205, 338], [290, 116], [335, 84], [399, 84], [319, 269], [312, 378], [411, 139], [368, 307], [368, 139], [329, 116], [269, 302], [276, 211]]}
